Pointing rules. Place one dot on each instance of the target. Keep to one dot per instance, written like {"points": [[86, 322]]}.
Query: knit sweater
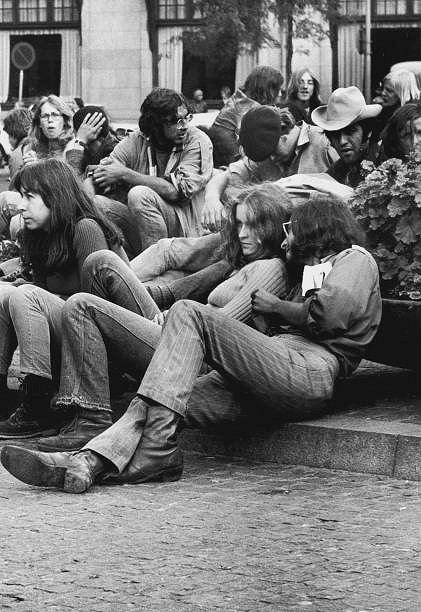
{"points": [[87, 239], [232, 297]]}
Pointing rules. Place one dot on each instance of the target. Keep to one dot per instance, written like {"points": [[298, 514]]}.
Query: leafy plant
{"points": [[388, 206]]}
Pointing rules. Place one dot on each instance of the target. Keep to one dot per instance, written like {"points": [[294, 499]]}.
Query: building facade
{"points": [[112, 52]]}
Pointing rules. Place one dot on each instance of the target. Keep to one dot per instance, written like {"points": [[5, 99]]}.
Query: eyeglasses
{"points": [[287, 228], [48, 116], [182, 121]]}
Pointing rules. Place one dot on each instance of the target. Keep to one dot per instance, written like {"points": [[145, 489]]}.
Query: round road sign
{"points": [[23, 55]]}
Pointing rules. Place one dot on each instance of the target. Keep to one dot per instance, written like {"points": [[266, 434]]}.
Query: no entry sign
{"points": [[23, 55]]}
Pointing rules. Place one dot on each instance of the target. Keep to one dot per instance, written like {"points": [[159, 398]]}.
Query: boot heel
{"points": [[75, 482], [172, 474]]}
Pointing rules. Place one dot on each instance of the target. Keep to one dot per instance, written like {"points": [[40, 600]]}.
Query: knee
{"points": [[141, 196], [76, 304], [185, 309], [98, 259]]}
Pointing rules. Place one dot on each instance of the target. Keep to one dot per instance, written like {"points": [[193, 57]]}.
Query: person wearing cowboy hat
{"points": [[348, 122]]}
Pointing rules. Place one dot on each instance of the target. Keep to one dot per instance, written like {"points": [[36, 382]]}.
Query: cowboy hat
{"points": [[345, 106]]}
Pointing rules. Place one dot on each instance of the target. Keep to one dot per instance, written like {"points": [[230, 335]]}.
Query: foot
{"points": [[73, 436], [22, 425], [72, 473]]}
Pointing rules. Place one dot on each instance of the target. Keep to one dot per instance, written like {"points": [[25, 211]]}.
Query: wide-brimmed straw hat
{"points": [[345, 106]]}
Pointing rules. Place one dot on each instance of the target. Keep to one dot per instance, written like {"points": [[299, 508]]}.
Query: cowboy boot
{"points": [[74, 473], [157, 457]]}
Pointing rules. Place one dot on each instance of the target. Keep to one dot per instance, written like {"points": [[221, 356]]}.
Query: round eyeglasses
{"points": [[48, 116], [181, 121]]}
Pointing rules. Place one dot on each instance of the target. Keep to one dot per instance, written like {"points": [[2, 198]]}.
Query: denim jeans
{"points": [[31, 318], [104, 274], [94, 331], [185, 255], [120, 215], [288, 375], [154, 217]]}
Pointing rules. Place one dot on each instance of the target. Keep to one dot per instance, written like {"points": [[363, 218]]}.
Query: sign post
{"points": [[23, 57]]}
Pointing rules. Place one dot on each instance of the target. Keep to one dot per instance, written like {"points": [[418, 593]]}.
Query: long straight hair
{"points": [[64, 195], [39, 140]]}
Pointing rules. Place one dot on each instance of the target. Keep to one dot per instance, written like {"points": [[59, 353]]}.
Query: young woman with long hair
{"points": [[322, 330], [61, 227], [122, 324]]}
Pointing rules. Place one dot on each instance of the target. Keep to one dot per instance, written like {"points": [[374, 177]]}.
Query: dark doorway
{"points": [[208, 76], [43, 77], [390, 46]]}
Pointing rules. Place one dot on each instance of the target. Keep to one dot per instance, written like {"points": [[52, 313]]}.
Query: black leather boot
{"points": [[33, 417], [157, 457], [85, 425]]}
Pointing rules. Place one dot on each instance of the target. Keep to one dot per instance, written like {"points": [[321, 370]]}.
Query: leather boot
{"points": [[85, 425], [74, 473], [157, 457], [33, 417], [9, 399]]}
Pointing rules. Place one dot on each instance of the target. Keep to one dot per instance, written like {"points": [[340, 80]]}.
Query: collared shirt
{"points": [[188, 167], [313, 154], [344, 314]]}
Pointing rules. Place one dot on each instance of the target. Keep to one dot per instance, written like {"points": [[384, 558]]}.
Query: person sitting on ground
{"points": [[93, 142], [262, 86], [348, 122], [51, 133], [124, 322], [198, 105], [402, 132], [17, 124], [275, 147], [302, 95], [318, 333], [164, 167], [61, 228]]}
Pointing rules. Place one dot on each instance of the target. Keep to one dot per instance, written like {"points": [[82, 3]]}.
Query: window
{"points": [[177, 10], [172, 9], [6, 12], [32, 10], [66, 10], [391, 7], [353, 7], [31, 13]]}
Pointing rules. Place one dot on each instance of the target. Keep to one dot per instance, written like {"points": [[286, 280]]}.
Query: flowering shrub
{"points": [[388, 206]]}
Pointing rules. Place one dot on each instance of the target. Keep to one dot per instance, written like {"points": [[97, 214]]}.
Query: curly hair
{"points": [[268, 207], [159, 105], [263, 84], [294, 84], [40, 142], [17, 123], [393, 144], [405, 85], [324, 225], [64, 195]]}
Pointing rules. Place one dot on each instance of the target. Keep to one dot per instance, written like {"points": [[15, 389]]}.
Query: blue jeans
{"points": [[106, 275], [31, 318], [289, 375]]}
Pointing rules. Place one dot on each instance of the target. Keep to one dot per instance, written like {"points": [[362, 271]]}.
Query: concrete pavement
{"points": [[231, 536]]}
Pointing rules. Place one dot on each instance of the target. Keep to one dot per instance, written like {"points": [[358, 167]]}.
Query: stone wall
{"points": [[116, 59]]}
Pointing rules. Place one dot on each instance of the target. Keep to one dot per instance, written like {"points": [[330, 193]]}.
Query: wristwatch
{"points": [[80, 143]]}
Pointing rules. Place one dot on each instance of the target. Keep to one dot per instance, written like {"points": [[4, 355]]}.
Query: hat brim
{"points": [[319, 117]]}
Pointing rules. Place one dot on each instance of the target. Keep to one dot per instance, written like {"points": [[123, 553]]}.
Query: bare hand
{"points": [[160, 317], [29, 157], [90, 127], [213, 215], [108, 173], [263, 302]]}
